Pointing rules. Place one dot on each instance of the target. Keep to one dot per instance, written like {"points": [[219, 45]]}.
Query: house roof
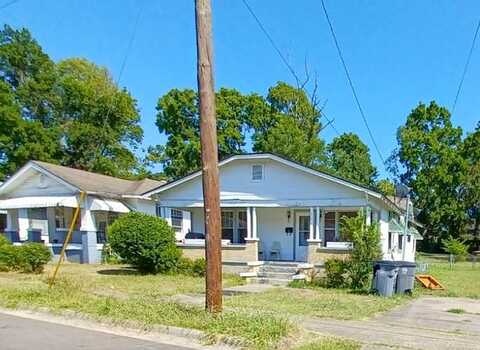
{"points": [[92, 182], [288, 162]]}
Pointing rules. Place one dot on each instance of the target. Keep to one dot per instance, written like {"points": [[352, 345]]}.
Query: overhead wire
{"points": [[350, 82], [283, 58], [465, 68]]}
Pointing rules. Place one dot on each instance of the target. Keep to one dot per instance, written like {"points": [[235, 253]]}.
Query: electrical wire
{"points": [[465, 68], [350, 82]]}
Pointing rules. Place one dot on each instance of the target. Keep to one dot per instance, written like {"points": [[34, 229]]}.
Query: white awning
{"points": [[100, 204], [39, 202]]}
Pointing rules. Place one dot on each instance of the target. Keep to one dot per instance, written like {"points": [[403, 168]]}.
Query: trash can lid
{"points": [[396, 263]]}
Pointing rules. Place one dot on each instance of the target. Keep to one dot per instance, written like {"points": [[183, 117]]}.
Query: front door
{"points": [[302, 230]]}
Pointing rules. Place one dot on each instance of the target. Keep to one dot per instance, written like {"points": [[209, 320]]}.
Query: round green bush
{"points": [[32, 257], [146, 242]]}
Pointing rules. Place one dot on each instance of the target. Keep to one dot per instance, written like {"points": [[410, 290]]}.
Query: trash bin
{"points": [[385, 277], [406, 277]]}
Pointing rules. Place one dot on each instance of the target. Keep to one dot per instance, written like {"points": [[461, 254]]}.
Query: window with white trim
{"points": [[257, 172], [227, 225], [177, 219]]}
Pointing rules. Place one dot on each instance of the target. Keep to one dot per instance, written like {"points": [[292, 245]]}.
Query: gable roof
{"points": [[90, 182], [274, 157]]}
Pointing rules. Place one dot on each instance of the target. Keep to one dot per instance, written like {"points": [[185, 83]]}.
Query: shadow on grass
{"points": [[121, 271]]}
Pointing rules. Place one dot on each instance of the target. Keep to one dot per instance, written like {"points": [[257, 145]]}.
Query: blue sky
{"points": [[398, 52]]}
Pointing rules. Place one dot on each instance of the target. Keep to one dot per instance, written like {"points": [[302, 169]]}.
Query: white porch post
{"points": [[254, 223], [249, 223], [312, 232], [368, 216], [317, 224], [11, 220], [23, 224]]}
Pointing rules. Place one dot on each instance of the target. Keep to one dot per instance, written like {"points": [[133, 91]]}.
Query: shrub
{"points": [[196, 268], [32, 257], [457, 248], [4, 240], [335, 270], [144, 241], [108, 256], [366, 249]]}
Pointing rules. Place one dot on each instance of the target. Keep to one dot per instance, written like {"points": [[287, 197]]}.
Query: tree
{"points": [[471, 183], [430, 164], [100, 121], [289, 125], [178, 118], [349, 157], [385, 186], [70, 113]]}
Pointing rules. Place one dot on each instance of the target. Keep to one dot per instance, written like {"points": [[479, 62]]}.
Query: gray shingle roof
{"points": [[93, 182]]}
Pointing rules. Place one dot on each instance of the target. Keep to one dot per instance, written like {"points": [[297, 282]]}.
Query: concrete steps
{"points": [[277, 273]]}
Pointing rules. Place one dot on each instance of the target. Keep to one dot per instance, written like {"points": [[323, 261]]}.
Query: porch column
{"points": [[11, 231], [368, 216], [90, 255], [23, 224], [254, 223], [249, 223], [312, 217], [317, 224]]}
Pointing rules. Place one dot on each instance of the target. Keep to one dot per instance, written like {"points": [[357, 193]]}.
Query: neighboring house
{"points": [[272, 209], [276, 209], [40, 200]]}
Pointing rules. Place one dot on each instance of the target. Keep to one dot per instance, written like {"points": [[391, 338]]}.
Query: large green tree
{"points": [[70, 113], [471, 183], [431, 164], [99, 120], [349, 157], [289, 125], [178, 117]]}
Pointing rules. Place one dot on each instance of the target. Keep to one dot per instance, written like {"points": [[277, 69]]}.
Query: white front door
{"points": [[302, 230]]}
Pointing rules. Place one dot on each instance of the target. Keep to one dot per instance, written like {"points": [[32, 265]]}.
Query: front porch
{"points": [[252, 234], [47, 221]]}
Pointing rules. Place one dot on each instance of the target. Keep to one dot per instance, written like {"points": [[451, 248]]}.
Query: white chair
{"points": [[275, 250]]}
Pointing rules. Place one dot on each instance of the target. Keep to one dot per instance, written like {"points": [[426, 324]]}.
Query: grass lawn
{"points": [[460, 280], [330, 344], [317, 302], [119, 294]]}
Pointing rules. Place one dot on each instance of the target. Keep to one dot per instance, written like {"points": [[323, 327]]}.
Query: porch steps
{"points": [[277, 273]]}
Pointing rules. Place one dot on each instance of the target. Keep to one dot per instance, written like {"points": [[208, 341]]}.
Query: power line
{"points": [[465, 68], [8, 4], [347, 73], [282, 57]]}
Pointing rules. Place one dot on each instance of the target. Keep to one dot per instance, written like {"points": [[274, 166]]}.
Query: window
{"points": [[177, 218], [257, 172], [60, 217], [400, 242], [409, 238], [303, 229], [37, 213], [242, 226], [390, 238], [330, 224], [227, 225]]}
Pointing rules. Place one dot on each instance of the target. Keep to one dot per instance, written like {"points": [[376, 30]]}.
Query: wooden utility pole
{"points": [[208, 140]]}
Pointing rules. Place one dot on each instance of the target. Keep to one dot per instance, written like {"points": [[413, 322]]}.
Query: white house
{"points": [[276, 209], [40, 200], [272, 209]]}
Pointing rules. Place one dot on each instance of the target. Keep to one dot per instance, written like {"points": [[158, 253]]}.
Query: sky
{"points": [[398, 52]]}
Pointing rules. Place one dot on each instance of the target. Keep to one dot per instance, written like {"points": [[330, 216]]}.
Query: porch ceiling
{"points": [[39, 202]]}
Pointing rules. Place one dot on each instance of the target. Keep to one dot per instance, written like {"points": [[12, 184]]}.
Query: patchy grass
{"points": [[330, 344], [120, 294], [456, 311], [317, 302], [460, 280]]}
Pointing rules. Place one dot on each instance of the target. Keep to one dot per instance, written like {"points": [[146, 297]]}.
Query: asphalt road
{"points": [[17, 333]]}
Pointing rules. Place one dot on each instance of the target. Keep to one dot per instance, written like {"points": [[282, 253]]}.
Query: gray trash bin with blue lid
{"points": [[406, 276]]}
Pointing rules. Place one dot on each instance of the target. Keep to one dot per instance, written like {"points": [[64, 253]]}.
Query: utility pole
{"points": [[208, 141]]}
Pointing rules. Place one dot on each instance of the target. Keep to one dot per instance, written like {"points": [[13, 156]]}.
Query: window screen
{"points": [[227, 225], [330, 227], [303, 229], [177, 218], [257, 172]]}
